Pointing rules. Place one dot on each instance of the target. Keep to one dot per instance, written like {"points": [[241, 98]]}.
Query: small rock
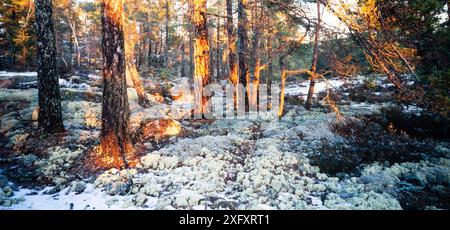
{"points": [[7, 203], [111, 202], [139, 199], [187, 200], [135, 189], [3, 181], [118, 188], [152, 190], [8, 191], [54, 190], [227, 204], [78, 187], [32, 193]]}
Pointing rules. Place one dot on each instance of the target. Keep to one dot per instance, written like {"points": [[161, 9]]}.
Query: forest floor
{"points": [[379, 155]]}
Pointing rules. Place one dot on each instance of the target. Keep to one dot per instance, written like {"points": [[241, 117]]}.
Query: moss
{"points": [[55, 166]]}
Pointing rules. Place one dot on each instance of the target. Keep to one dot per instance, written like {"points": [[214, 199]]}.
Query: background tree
{"points": [[232, 49], [67, 34], [132, 51], [242, 32], [17, 34], [166, 29], [201, 54], [312, 80]]}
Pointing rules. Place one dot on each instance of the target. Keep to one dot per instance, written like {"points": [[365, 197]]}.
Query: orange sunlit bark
{"points": [[113, 12], [255, 83], [284, 74], [201, 55], [232, 52], [131, 37], [116, 149]]}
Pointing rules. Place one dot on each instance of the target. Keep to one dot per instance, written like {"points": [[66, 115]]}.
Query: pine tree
{"points": [[17, 33], [115, 147], [201, 55], [50, 115], [232, 49], [312, 81], [244, 75]]}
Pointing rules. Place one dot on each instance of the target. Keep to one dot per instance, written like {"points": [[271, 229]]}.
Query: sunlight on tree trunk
{"points": [[116, 149], [255, 56], [201, 55], [232, 52], [218, 63], [131, 36], [283, 82], [284, 75]]}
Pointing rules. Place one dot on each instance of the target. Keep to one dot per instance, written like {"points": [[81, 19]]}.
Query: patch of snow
{"points": [[91, 199], [302, 88], [18, 74]]}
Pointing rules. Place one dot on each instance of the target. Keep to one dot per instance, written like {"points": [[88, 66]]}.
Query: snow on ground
{"points": [[90, 199], [17, 74], [321, 86]]}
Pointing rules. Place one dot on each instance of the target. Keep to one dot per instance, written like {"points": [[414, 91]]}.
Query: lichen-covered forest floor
{"points": [[379, 155]]}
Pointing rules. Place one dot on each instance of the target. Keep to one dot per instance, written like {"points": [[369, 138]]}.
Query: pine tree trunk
{"points": [[283, 84], [76, 55], [244, 75], [218, 51], [448, 12], [211, 54], [269, 73], [116, 148], [201, 54], [166, 45], [130, 60], [312, 82], [232, 51], [162, 45], [134, 75], [256, 61], [150, 45], [191, 52], [150, 52], [183, 60], [50, 114], [269, 84], [190, 15], [183, 43], [71, 51]]}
